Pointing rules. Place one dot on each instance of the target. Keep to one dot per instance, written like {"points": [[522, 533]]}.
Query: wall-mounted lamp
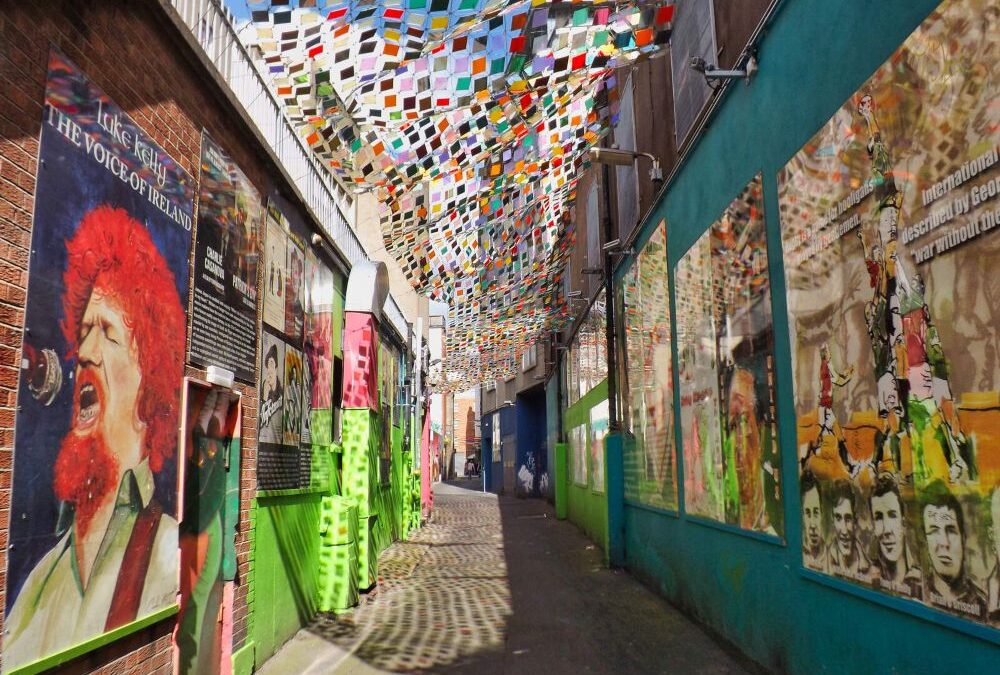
{"points": [[713, 74], [220, 376], [614, 247], [617, 157]]}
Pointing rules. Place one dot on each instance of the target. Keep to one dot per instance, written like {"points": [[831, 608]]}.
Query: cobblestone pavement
{"points": [[499, 586]]}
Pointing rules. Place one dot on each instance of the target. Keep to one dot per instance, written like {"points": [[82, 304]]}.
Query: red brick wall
{"points": [[130, 50]]}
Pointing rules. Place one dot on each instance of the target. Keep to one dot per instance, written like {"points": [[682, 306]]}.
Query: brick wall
{"points": [[129, 49]]}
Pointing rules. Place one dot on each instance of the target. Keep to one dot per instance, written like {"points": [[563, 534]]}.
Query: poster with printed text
{"points": [[294, 310], [275, 267], [291, 418], [647, 381], [93, 533], [224, 320], [890, 240], [698, 368], [272, 389]]}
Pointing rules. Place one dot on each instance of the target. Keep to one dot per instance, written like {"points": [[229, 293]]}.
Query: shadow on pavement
{"points": [[500, 586]]}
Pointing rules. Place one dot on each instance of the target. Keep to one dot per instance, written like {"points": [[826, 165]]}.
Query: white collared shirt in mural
{"points": [[56, 610]]}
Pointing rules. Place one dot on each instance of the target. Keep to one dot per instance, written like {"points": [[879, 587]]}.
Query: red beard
{"points": [[86, 470]]}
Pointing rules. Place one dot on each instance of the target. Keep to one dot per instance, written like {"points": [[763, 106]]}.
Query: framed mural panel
{"points": [[744, 328], [647, 382], [93, 533], [732, 465], [888, 227], [599, 418], [579, 447], [698, 370], [211, 436]]}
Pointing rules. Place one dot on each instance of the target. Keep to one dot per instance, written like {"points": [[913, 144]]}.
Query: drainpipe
{"points": [[614, 461]]}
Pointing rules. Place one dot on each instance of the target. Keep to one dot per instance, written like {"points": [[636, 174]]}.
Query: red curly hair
{"points": [[114, 253]]}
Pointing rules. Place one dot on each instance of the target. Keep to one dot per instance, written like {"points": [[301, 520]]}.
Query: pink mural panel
{"points": [[360, 361]]}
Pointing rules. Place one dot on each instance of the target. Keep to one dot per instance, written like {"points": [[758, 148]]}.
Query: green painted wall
{"points": [[286, 560], [753, 592], [585, 507]]}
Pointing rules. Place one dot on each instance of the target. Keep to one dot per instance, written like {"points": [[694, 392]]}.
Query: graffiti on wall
{"points": [[888, 225], [93, 535], [647, 379]]}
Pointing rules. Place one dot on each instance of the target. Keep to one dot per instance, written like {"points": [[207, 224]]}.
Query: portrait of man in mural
{"points": [[895, 570], [271, 389], [116, 560], [813, 547], [847, 559], [948, 583]]}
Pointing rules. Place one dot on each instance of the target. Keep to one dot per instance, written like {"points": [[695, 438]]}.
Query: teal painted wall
{"points": [[753, 592], [585, 507], [286, 563]]}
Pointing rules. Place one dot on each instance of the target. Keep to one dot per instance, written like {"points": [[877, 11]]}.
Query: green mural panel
{"points": [[585, 507], [338, 567], [286, 568]]}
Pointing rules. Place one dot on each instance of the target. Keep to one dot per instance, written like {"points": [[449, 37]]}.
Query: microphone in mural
{"points": [[43, 373]]}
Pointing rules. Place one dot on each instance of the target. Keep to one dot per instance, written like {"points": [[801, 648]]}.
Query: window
{"points": [[693, 35], [627, 177], [529, 359]]}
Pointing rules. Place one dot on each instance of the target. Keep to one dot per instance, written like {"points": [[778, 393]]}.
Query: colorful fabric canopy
{"points": [[471, 119]]}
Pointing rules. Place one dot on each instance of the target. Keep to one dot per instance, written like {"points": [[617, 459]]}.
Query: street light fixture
{"points": [[617, 157]]}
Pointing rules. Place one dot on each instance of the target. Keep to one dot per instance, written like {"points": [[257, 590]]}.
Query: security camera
{"points": [[698, 64], [316, 239]]}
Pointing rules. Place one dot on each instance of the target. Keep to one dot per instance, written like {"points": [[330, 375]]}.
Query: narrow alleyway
{"points": [[500, 586]]}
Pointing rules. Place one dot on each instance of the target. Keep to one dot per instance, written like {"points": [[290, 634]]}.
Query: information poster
{"points": [[99, 391], [648, 389], [889, 231], [275, 267], [224, 320]]}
